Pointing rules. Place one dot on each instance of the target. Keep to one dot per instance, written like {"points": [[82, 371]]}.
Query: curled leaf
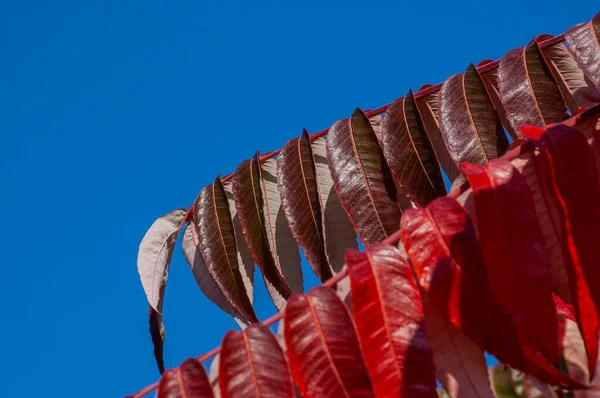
{"points": [[155, 253]]}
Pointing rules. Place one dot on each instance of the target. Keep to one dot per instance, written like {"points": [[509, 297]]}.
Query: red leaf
{"points": [[389, 317], [218, 246], [252, 364], [249, 203], [584, 41], [569, 166], [297, 184], [468, 122], [187, 381], [323, 349], [446, 257], [408, 151], [528, 90], [362, 178], [513, 248]]}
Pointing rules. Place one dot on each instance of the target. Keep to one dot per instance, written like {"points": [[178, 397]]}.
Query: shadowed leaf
{"points": [[468, 121], [528, 90], [157, 333], [338, 234], [569, 168], [459, 363], [386, 306], [323, 349], [490, 81], [281, 242], [428, 111], [513, 248], [362, 178], [409, 154]]}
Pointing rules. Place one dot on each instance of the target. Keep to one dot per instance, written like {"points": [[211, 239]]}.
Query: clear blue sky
{"points": [[113, 113]]}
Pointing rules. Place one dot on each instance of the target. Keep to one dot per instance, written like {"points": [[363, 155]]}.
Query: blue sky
{"points": [[113, 113]]}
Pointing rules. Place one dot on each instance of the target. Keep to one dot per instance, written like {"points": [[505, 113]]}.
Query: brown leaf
{"points": [[409, 154], [428, 111], [468, 122], [283, 246], [584, 41], [577, 90], [218, 246], [528, 90], [297, 183], [362, 178], [250, 205], [157, 333]]}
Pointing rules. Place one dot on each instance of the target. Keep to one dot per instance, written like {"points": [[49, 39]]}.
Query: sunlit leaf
{"points": [[189, 380]]}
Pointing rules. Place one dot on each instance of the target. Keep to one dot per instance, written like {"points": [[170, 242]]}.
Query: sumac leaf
{"points": [[298, 186], [322, 347], [409, 154], [281, 241], [190, 245], [218, 246], [428, 111], [249, 203], [528, 90], [459, 363], [362, 178], [338, 234], [154, 256], [577, 89], [187, 381], [386, 306], [513, 248], [569, 166], [468, 122], [252, 365], [157, 333], [444, 251], [584, 41]]}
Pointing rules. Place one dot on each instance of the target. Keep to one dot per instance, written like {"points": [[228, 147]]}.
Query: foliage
{"points": [[505, 263]]}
